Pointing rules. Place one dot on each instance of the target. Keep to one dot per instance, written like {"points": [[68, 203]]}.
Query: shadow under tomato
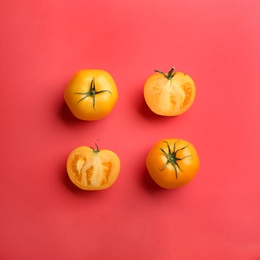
{"points": [[150, 186], [66, 116], [146, 181]]}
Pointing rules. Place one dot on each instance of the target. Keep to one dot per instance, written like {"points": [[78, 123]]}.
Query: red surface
{"points": [[43, 216]]}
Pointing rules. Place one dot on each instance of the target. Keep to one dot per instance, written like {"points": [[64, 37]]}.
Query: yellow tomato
{"points": [[169, 94], [172, 163], [91, 94], [93, 169]]}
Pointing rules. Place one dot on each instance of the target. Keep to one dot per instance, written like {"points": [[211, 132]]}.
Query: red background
{"points": [[43, 43]]}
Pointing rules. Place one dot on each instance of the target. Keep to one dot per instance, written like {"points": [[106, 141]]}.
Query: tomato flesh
{"points": [[169, 96], [90, 169]]}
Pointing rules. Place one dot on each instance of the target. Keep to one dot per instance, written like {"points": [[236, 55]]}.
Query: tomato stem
{"points": [[170, 74], [95, 150], [91, 93], [172, 157]]}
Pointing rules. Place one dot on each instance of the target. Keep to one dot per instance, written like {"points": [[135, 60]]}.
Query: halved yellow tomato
{"points": [[93, 169], [169, 94]]}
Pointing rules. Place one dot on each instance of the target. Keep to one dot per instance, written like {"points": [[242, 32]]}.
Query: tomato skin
{"points": [[93, 169], [162, 168], [91, 94], [169, 94]]}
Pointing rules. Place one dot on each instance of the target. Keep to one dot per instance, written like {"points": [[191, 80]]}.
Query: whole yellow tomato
{"points": [[172, 163], [169, 94], [91, 94], [93, 169]]}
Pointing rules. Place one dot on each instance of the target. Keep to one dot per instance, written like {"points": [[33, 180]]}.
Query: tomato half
{"points": [[172, 163], [169, 94], [93, 169], [91, 94]]}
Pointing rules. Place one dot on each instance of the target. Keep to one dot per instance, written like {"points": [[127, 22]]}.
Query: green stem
{"points": [[95, 150], [172, 157], [91, 93], [170, 74]]}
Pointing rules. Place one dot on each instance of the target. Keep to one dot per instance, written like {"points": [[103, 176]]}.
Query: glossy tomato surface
{"points": [[91, 94], [172, 163], [169, 94], [93, 169]]}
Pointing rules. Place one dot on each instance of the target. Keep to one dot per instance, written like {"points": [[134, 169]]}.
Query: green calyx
{"points": [[170, 74], [172, 157], [95, 150], [91, 93]]}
